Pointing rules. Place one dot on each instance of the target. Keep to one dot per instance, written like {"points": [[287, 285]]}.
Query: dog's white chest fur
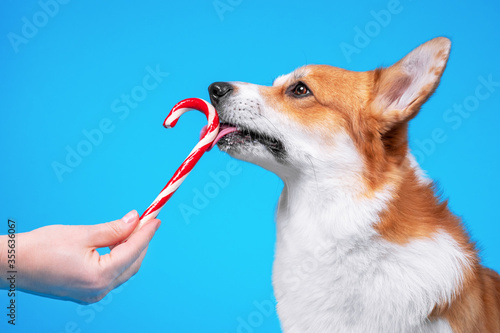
{"points": [[333, 273]]}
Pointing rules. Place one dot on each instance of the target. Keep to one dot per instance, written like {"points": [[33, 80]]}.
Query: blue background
{"points": [[210, 271]]}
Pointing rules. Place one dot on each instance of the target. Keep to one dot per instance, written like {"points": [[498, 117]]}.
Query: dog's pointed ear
{"points": [[400, 90]]}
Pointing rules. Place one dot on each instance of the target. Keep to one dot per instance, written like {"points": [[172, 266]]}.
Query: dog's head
{"points": [[325, 116]]}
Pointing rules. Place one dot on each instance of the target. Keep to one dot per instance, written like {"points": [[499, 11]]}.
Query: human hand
{"points": [[61, 261]]}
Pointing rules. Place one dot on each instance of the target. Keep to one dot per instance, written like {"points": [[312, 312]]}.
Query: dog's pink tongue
{"points": [[224, 130]]}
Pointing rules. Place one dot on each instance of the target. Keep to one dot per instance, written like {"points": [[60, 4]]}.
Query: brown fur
{"points": [[476, 308]]}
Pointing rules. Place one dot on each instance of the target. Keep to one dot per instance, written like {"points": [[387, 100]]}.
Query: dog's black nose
{"points": [[217, 90]]}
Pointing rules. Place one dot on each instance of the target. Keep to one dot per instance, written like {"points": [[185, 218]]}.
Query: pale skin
{"points": [[61, 261]]}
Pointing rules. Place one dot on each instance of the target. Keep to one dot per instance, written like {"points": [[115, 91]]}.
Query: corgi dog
{"points": [[363, 244]]}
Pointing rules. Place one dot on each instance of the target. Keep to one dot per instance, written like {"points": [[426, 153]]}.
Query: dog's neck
{"points": [[323, 205], [331, 260]]}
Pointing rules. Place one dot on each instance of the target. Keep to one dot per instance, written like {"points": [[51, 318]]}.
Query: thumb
{"points": [[106, 234]]}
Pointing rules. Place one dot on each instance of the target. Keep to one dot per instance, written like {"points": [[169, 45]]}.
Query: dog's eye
{"points": [[300, 90]]}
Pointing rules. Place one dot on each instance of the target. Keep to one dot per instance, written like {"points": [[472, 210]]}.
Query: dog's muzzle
{"points": [[218, 91]]}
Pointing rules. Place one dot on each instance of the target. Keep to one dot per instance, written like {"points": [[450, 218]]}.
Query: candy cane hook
{"points": [[203, 145]]}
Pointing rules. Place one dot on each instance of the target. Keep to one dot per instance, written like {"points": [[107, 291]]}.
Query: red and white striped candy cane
{"points": [[206, 142]]}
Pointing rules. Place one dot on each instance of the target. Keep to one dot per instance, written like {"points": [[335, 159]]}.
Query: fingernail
{"points": [[130, 217]]}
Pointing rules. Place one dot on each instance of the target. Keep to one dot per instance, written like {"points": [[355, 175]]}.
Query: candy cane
{"points": [[205, 143]]}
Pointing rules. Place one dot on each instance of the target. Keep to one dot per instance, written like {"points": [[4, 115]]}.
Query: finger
{"points": [[129, 271], [125, 254], [106, 234]]}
